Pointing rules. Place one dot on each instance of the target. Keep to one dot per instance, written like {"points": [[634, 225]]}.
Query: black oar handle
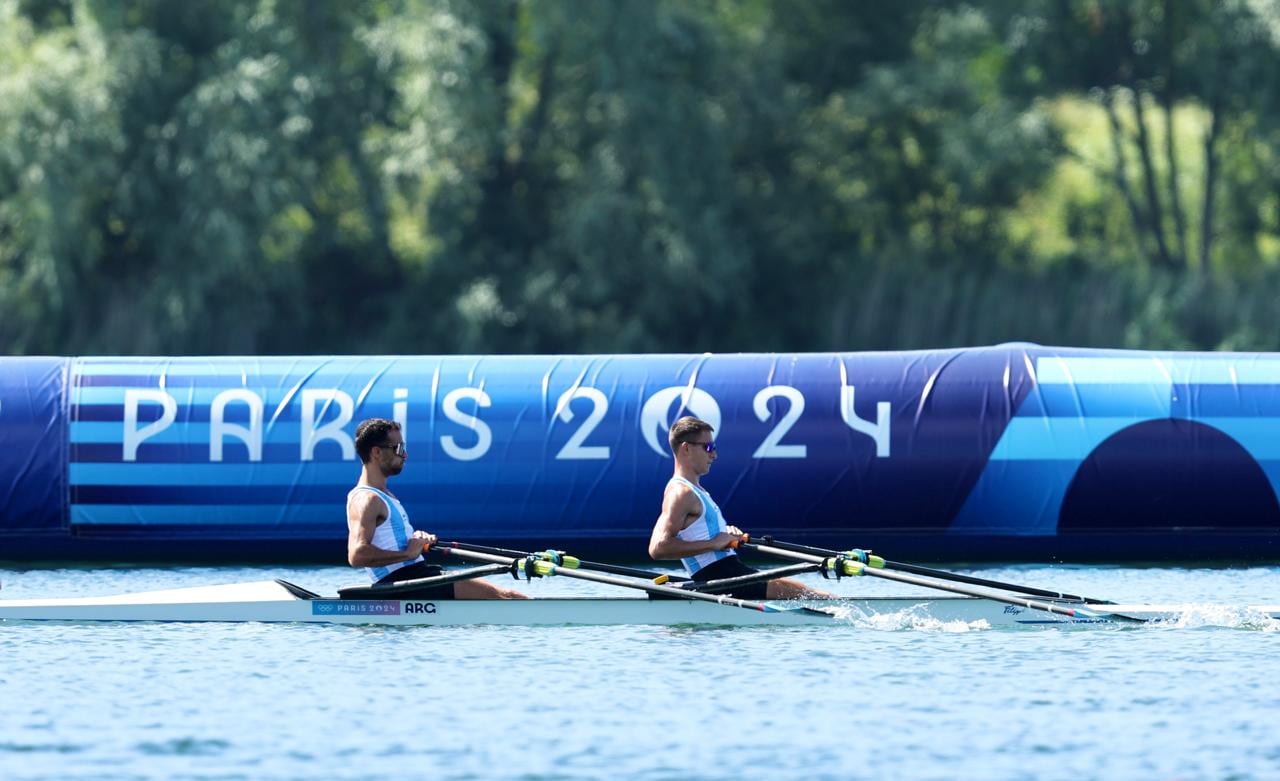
{"points": [[944, 575], [515, 554]]}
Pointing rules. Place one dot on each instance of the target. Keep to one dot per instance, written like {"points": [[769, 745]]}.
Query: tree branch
{"points": [[1126, 76], [1120, 173], [1149, 180], [531, 135], [1169, 98], [1210, 182]]}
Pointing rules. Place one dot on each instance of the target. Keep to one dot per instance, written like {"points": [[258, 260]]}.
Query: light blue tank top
{"points": [[391, 534], [707, 526]]}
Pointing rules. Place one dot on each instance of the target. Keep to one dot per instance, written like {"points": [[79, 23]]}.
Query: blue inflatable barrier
{"points": [[1009, 452]]}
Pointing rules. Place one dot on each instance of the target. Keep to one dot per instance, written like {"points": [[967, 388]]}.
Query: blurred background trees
{"points": [[441, 176]]}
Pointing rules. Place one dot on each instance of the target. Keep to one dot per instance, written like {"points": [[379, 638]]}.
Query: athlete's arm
{"points": [[364, 510], [680, 507]]}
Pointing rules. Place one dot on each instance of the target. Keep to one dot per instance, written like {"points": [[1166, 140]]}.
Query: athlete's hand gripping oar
{"points": [[533, 567], [555, 556], [851, 567], [882, 563]]}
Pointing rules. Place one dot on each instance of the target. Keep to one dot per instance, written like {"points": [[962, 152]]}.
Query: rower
{"points": [[692, 528], [380, 538]]}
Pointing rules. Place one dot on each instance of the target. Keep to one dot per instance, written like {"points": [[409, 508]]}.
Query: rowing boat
{"points": [[981, 601], [279, 601]]}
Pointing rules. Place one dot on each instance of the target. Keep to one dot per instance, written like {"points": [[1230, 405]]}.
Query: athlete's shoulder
{"points": [[678, 484], [360, 498], [681, 491]]}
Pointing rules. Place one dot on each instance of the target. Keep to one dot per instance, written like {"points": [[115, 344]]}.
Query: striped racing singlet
{"points": [[706, 526], [391, 534]]}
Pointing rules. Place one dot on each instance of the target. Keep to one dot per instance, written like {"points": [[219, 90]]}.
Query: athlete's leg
{"points": [[483, 589], [786, 588]]}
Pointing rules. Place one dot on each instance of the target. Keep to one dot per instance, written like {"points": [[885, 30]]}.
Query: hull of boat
{"points": [[268, 601]]}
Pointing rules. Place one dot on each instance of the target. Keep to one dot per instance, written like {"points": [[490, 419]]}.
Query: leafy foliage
{"points": [[439, 176]]}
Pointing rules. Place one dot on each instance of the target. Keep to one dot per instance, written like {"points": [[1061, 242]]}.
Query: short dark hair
{"points": [[373, 433], [685, 429]]}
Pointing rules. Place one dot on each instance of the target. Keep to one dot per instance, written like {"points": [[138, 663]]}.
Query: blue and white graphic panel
{"points": [[33, 445], [506, 445], [1133, 441]]}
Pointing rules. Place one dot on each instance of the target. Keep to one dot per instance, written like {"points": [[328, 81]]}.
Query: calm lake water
{"points": [[879, 700]]}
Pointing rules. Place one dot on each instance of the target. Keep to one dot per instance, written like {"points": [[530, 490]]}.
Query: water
{"points": [[881, 700]]}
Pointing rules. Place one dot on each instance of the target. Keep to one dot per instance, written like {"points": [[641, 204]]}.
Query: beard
{"points": [[392, 469]]}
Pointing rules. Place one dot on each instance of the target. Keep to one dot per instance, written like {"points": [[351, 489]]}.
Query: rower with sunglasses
{"points": [[692, 528], [380, 538]]}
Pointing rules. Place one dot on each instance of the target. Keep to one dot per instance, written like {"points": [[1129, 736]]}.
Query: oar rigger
{"points": [[852, 563]]}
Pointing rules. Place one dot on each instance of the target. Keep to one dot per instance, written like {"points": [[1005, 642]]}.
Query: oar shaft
{"points": [[449, 549], [938, 584], [612, 569], [976, 581], [943, 574], [445, 579], [515, 554], [727, 584], [551, 568], [395, 590], [665, 590]]}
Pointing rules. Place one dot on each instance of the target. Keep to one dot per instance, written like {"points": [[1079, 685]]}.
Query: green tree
{"points": [[182, 177], [1140, 60]]}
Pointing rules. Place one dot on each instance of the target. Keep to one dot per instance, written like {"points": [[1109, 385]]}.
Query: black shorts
{"points": [[732, 567], [417, 570]]}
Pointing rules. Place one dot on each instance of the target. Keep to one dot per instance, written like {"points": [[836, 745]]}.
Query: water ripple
{"points": [[184, 747], [42, 748]]}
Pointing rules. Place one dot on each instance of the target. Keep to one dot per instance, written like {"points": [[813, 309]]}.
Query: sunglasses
{"points": [[710, 447], [398, 448]]}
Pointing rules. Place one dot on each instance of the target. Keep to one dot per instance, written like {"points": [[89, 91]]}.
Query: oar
{"points": [[559, 557], [728, 584], [881, 563], [534, 567], [852, 567], [399, 587]]}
